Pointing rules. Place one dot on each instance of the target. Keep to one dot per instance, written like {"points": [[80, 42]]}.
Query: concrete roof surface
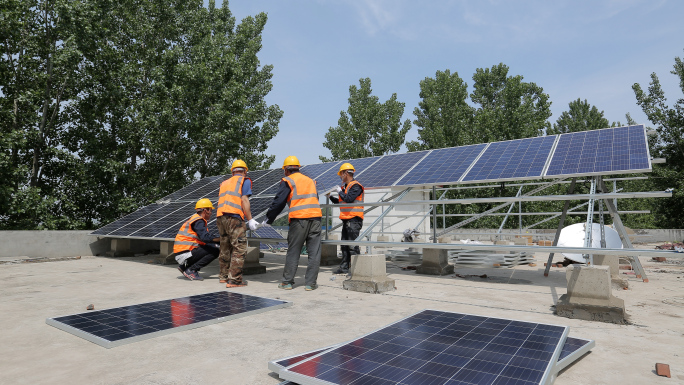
{"points": [[238, 351]]}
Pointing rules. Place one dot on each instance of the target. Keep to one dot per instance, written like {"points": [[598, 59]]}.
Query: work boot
{"points": [[343, 269], [192, 275]]}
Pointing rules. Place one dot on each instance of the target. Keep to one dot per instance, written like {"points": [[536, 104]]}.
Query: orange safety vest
{"points": [[349, 212], [187, 239], [230, 196], [303, 198]]}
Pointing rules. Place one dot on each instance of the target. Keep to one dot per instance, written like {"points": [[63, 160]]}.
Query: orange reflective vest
{"points": [[187, 239], [303, 198], [349, 212], [230, 196]]}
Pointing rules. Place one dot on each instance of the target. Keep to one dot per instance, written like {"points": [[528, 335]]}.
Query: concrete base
{"points": [[612, 262], [252, 265], [329, 253], [120, 248], [435, 262], [368, 274], [590, 297], [165, 251], [444, 239]]}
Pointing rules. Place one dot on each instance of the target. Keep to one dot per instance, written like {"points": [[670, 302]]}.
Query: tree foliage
{"points": [[669, 144], [368, 127], [580, 116], [109, 105]]}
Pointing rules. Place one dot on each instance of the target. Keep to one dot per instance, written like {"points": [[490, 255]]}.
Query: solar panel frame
{"points": [[281, 363], [378, 176], [634, 156], [548, 374], [153, 313]]}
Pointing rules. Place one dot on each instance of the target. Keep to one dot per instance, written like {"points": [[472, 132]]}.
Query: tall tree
{"points": [[443, 114], [368, 127], [580, 116], [669, 122], [508, 107]]}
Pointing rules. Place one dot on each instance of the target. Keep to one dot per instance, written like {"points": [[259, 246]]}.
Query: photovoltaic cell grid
{"points": [[315, 171], [388, 169], [608, 150], [134, 216], [269, 232], [573, 349], [435, 347], [122, 325], [271, 179], [444, 165], [513, 159]]}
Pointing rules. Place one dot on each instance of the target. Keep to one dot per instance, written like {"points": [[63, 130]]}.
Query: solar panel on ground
{"points": [[126, 324], [134, 216], [609, 150], [269, 232], [388, 169], [445, 165], [329, 179], [512, 160], [436, 347]]}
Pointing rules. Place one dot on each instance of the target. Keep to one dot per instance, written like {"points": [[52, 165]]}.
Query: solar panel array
{"points": [[599, 152], [126, 324], [436, 347]]}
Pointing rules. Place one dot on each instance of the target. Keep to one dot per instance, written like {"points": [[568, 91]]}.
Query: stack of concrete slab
{"points": [[488, 258]]}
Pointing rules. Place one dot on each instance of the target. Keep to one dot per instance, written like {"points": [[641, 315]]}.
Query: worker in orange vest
{"points": [[299, 191], [351, 191], [193, 247], [233, 211]]}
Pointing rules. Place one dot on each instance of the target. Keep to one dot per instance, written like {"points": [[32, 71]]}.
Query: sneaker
{"points": [[285, 286], [340, 270], [223, 280], [236, 284], [311, 287], [192, 275]]}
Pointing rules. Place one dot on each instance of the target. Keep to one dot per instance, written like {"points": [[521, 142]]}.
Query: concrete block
{"points": [[590, 297], [368, 274], [329, 253], [445, 239], [507, 243], [252, 265], [165, 251], [120, 247], [520, 241], [382, 238], [608, 260], [435, 262]]}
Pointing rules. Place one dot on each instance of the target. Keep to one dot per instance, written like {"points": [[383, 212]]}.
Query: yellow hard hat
{"points": [[203, 203], [291, 161], [345, 167], [239, 163]]}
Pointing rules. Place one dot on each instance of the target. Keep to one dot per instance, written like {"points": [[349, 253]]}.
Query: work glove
{"points": [[262, 224], [339, 189], [253, 224]]}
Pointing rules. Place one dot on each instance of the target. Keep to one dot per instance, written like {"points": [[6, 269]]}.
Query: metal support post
{"points": [[434, 215], [624, 237], [327, 217], [561, 223], [589, 225], [509, 211]]}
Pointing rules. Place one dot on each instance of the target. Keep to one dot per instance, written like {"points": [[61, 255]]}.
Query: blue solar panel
{"points": [[139, 224], [605, 151], [445, 165], [329, 179], [435, 347], [386, 171], [512, 159], [132, 217], [121, 325], [268, 184]]}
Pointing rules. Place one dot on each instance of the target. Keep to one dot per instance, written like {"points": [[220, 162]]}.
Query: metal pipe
{"points": [[434, 215]]}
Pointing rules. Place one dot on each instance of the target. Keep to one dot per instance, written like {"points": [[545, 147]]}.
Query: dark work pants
{"points": [[309, 231], [201, 256], [350, 231]]}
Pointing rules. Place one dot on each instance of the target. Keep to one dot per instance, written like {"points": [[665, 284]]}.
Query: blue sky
{"points": [[593, 50]]}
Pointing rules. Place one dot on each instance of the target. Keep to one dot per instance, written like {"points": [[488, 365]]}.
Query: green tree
{"points": [[508, 108], [669, 122], [368, 127], [443, 114], [580, 116]]}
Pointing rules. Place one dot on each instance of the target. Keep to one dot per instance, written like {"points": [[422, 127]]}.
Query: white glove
{"points": [[262, 224], [339, 189], [253, 224]]}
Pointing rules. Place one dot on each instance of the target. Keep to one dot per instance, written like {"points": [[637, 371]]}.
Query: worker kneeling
{"points": [[350, 192], [193, 244]]}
